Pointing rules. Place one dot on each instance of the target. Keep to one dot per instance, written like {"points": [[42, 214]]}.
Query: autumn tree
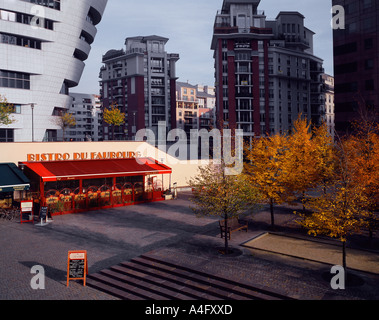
{"points": [[218, 194], [310, 158], [6, 110], [114, 117], [337, 214], [266, 169], [362, 148], [325, 154], [300, 159], [64, 121], [340, 211]]}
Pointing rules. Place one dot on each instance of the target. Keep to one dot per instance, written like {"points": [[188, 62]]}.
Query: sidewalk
{"points": [[313, 250], [170, 231]]}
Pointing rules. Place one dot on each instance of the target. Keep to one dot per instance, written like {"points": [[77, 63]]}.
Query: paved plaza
{"points": [[169, 230]]}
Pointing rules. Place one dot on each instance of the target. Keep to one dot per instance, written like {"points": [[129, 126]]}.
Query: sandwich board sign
{"points": [[77, 266], [26, 214], [43, 213]]}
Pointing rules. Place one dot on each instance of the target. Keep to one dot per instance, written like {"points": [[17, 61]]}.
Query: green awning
{"points": [[12, 178]]}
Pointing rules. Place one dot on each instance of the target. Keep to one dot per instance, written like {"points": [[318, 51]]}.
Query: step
{"points": [[221, 289], [168, 280], [127, 288], [143, 283], [204, 279], [163, 282], [104, 287], [252, 292], [151, 278], [178, 276]]}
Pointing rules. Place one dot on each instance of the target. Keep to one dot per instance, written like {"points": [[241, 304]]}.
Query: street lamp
{"points": [[32, 106]]}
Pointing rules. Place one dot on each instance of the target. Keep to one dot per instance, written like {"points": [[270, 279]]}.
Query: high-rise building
{"points": [[43, 46], [187, 106], [87, 111], [207, 107], [356, 62], [266, 72], [329, 103], [195, 106], [141, 81]]}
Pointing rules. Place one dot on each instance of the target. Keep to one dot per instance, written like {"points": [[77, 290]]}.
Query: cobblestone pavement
{"points": [[169, 230]]}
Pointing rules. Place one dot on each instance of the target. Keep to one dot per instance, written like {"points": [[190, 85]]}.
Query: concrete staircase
{"points": [[149, 278]]}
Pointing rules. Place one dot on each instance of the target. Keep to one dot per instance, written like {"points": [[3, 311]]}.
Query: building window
{"points": [[20, 41], [369, 64], [17, 108], [6, 135], [52, 4], [15, 80], [369, 85], [369, 43], [7, 15], [367, 4], [345, 49], [24, 18]]}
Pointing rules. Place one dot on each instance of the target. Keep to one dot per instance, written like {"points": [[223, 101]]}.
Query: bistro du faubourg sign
{"points": [[42, 157]]}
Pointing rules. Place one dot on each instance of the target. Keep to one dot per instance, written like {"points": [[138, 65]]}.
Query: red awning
{"points": [[90, 169]]}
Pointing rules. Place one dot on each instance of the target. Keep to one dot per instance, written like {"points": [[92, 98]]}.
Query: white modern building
{"points": [[43, 46], [86, 108]]}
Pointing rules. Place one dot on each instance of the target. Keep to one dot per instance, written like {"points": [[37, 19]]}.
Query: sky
{"points": [[189, 27]]}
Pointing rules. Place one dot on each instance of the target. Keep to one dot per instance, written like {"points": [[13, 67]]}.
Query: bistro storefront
{"points": [[80, 185]]}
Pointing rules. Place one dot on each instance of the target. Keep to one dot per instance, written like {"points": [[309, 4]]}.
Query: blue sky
{"points": [[189, 26]]}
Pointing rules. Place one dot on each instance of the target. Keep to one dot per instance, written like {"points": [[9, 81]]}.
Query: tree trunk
{"points": [[272, 213], [344, 258], [226, 249], [303, 200]]}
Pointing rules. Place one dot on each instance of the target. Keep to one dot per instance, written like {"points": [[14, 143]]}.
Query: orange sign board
{"points": [[42, 157], [77, 266]]}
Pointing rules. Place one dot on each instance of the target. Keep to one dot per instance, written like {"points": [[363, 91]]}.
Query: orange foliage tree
{"points": [[340, 211], [350, 199], [310, 158], [362, 148], [266, 169]]}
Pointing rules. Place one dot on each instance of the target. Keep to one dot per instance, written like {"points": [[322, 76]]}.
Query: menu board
{"points": [[26, 211], [77, 266], [43, 212]]}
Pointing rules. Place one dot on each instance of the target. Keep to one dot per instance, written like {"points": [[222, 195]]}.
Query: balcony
{"points": [[117, 66], [244, 83], [266, 31], [190, 115], [294, 40], [224, 29]]}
